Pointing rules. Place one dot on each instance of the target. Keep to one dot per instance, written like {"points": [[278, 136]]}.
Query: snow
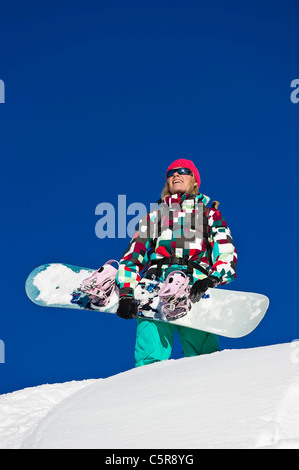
{"points": [[48, 280], [245, 398], [21, 411]]}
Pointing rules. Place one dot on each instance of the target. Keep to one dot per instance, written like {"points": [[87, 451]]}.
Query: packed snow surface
{"points": [[246, 398]]}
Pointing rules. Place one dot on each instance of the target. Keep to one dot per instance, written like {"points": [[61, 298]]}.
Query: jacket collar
{"points": [[179, 198]]}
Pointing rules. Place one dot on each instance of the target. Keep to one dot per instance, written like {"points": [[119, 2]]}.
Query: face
{"points": [[179, 183]]}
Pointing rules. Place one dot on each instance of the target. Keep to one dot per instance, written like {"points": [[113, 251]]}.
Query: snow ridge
{"points": [[246, 398]]}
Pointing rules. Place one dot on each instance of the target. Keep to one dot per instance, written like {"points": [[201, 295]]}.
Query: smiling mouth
{"points": [[177, 181]]}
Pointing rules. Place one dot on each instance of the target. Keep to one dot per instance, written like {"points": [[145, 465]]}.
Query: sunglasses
{"points": [[180, 171]]}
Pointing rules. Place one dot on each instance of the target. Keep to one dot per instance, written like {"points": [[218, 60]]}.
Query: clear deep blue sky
{"points": [[101, 96]]}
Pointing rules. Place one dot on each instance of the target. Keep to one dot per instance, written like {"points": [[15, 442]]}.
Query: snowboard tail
{"points": [[224, 312]]}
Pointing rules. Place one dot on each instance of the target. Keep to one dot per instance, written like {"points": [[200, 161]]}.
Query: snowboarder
{"points": [[172, 242]]}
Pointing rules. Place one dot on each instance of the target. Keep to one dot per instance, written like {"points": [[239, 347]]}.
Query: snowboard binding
{"points": [[100, 286], [174, 295]]}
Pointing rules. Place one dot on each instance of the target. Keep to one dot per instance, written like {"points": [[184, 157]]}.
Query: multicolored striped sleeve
{"points": [[224, 254], [136, 256]]}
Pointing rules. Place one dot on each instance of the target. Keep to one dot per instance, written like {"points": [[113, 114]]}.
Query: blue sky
{"points": [[100, 97]]}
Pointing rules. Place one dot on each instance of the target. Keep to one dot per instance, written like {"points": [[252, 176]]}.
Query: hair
{"points": [[191, 190]]}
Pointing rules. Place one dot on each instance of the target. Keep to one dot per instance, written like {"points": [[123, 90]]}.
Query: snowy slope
{"points": [[21, 411], [231, 399]]}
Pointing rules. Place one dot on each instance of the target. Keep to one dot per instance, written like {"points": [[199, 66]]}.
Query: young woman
{"points": [[176, 241]]}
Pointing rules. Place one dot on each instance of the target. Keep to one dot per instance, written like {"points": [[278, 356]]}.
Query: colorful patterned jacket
{"points": [[176, 229]]}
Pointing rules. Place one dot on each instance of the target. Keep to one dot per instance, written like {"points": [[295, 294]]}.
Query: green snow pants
{"points": [[154, 341]]}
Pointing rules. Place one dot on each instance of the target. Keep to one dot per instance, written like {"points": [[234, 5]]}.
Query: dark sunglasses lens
{"points": [[184, 171], [180, 171], [169, 173]]}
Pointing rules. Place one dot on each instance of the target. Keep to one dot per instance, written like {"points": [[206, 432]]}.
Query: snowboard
{"points": [[228, 313]]}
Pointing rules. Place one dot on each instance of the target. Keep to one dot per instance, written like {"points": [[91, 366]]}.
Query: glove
{"points": [[127, 308], [200, 287]]}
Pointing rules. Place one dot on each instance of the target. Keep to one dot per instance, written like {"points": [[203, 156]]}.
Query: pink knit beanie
{"points": [[183, 163]]}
